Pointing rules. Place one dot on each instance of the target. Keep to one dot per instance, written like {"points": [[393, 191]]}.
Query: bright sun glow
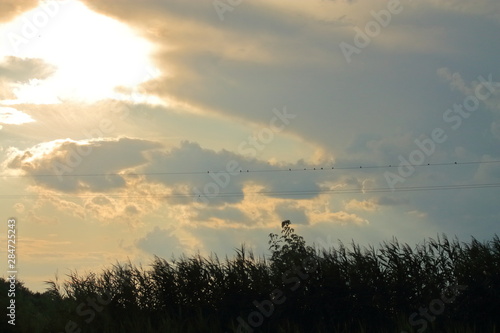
{"points": [[93, 54]]}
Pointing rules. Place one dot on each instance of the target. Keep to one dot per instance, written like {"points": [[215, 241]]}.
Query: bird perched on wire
{"points": [[285, 223]]}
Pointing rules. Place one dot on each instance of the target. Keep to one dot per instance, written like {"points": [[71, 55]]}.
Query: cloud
{"points": [[220, 177], [421, 215], [482, 85], [9, 9], [13, 116], [227, 216], [289, 55], [161, 242], [15, 71], [58, 202], [37, 218], [482, 8], [84, 166], [341, 217], [455, 79], [487, 173], [495, 129], [19, 207], [246, 60], [24, 69], [111, 209], [364, 205], [392, 200], [292, 211]]}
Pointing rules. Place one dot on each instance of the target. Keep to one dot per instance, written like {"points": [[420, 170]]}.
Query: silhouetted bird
{"points": [[285, 223]]}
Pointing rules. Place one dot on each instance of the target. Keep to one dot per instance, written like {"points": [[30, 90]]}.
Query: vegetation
{"points": [[440, 285]]}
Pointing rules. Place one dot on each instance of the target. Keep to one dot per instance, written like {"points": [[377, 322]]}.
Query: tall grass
{"points": [[342, 289]]}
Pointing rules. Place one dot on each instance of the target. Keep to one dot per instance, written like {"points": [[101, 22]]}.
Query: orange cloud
{"points": [[9, 9]]}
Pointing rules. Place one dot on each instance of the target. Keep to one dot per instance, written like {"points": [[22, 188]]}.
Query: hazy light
{"points": [[93, 54]]}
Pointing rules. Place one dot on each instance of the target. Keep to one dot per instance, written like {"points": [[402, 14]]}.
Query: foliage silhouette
{"points": [[338, 289]]}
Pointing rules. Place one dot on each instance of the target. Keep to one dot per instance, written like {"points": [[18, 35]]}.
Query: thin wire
{"points": [[330, 168], [280, 193]]}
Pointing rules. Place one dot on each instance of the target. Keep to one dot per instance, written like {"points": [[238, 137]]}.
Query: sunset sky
{"points": [[124, 125]]}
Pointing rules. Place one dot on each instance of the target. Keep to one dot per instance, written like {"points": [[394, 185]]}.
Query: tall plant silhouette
{"points": [[340, 289], [288, 249]]}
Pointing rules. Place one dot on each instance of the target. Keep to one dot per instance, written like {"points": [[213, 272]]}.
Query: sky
{"points": [[130, 129]]}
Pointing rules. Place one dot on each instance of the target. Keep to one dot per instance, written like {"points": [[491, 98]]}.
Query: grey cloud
{"points": [[72, 167], [289, 211], [495, 129], [256, 238], [286, 58], [161, 242], [191, 158], [487, 173], [391, 200], [227, 214], [22, 70]]}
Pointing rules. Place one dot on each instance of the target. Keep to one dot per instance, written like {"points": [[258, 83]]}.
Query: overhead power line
{"points": [[276, 193], [244, 170]]}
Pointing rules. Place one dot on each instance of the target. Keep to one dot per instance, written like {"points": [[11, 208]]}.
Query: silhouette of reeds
{"points": [[341, 289]]}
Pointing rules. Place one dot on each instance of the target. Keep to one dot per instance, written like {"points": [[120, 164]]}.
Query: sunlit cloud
{"points": [[13, 116], [364, 205]]}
